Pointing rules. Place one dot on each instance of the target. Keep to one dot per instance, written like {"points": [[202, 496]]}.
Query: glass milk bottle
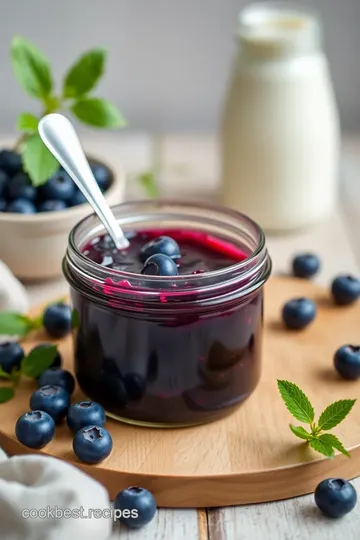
{"points": [[280, 132]]}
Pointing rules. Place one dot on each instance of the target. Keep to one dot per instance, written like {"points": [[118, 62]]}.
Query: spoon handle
{"points": [[59, 135]]}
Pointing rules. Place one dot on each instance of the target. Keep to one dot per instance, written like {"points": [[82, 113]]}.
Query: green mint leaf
{"points": [[14, 324], [322, 447], [98, 112], [147, 180], [38, 361], [4, 374], [75, 319], [329, 438], [27, 122], [296, 401], [334, 414], [38, 162], [300, 432], [31, 68], [84, 74], [6, 393]]}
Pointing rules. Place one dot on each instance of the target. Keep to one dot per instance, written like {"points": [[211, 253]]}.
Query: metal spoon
{"points": [[59, 135]]}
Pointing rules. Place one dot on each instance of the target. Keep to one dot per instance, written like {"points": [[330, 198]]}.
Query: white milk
{"points": [[280, 133]]}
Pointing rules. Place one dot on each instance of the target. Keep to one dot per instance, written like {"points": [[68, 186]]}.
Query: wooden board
{"points": [[251, 456]]}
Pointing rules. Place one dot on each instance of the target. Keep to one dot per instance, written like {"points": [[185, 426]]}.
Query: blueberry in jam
{"points": [[171, 354], [159, 265]]}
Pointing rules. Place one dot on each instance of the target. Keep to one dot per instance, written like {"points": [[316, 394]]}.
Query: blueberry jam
{"points": [[177, 351]]}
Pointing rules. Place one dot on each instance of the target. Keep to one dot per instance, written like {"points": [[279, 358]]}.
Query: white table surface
{"points": [[189, 169]]}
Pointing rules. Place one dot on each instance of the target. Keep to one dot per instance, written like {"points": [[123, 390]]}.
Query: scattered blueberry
{"points": [[135, 385], [345, 290], [57, 360], [335, 497], [35, 429], [102, 175], [3, 205], [52, 205], [298, 313], [305, 265], [140, 503], [163, 245], [78, 198], [11, 354], [160, 265], [58, 377], [10, 162], [347, 362], [3, 182], [51, 399], [20, 187], [59, 187], [85, 413], [57, 320], [21, 206], [92, 444]]}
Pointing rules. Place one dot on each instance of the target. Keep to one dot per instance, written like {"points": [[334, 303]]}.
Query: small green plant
{"points": [[298, 404], [32, 365], [33, 71]]}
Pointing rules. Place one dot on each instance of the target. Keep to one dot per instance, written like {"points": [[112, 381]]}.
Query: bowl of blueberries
{"points": [[35, 221]]}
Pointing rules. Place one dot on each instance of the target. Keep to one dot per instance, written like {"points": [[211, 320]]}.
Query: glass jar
{"points": [[169, 351]]}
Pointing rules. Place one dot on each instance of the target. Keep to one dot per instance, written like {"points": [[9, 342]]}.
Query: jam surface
{"points": [[146, 369]]}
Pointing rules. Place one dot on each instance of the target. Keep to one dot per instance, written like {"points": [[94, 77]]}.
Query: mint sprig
{"points": [[299, 405], [33, 71]]}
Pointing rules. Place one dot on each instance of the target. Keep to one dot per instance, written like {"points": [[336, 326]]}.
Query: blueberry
{"points": [[92, 444], [298, 313], [58, 377], [78, 198], [35, 429], [164, 245], [57, 320], [52, 205], [160, 265], [20, 187], [57, 360], [135, 385], [141, 506], [3, 183], [11, 354], [21, 206], [59, 187], [335, 497], [305, 265], [10, 162], [345, 290], [347, 362], [102, 175], [51, 399], [85, 413], [3, 205]]}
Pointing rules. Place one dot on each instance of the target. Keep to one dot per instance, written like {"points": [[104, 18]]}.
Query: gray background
{"points": [[168, 59]]}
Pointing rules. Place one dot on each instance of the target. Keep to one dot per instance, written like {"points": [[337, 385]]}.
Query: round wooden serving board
{"points": [[251, 456]]}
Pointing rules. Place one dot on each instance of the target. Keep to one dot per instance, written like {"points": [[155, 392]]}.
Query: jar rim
{"points": [[255, 268]]}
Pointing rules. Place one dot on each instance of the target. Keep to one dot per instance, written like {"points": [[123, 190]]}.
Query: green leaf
{"points": [[147, 180], [334, 414], [38, 361], [332, 440], [38, 162], [14, 324], [27, 122], [75, 319], [296, 401], [6, 393], [31, 68], [84, 74], [322, 447], [300, 432], [98, 112], [4, 374]]}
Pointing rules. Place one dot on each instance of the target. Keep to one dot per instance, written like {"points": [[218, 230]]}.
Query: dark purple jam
{"points": [[181, 367]]}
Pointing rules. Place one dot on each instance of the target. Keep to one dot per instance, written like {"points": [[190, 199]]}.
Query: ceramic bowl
{"points": [[33, 246]]}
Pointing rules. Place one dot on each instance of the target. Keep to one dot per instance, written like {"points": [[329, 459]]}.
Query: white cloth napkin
{"points": [[35, 489], [13, 295]]}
